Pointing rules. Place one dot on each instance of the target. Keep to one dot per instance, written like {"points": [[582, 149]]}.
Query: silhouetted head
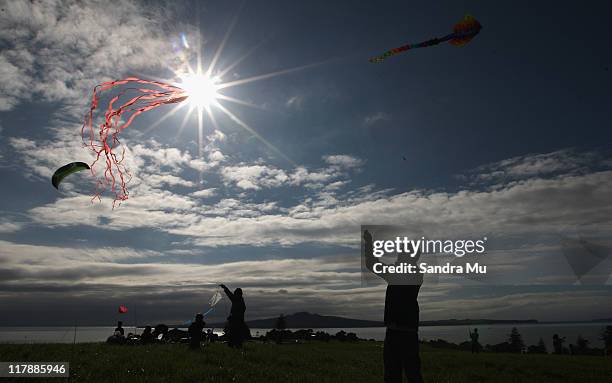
{"points": [[555, 336], [238, 292], [119, 323], [475, 330], [199, 317]]}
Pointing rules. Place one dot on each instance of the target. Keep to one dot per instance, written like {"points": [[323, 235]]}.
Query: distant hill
{"points": [[308, 320], [465, 322]]}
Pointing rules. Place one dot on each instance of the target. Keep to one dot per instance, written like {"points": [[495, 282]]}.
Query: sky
{"points": [[508, 137]]}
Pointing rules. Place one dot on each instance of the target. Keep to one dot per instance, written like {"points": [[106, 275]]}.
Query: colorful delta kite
{"points": [[141, 96], [463, 32]]}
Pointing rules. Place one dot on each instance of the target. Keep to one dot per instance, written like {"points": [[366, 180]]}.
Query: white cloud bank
{"points": [[53, 50]]}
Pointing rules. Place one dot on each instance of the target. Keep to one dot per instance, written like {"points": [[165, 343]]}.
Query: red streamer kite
{"points": [[104, 138]]}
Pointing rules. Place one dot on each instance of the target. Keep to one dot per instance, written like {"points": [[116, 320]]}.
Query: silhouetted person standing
{"points": [[558, 344], [606, 336], [281, 325], [120, 328], [210, 336], [237, 329], [474, 339], [146, 337], [401, 350], [195, 332]]}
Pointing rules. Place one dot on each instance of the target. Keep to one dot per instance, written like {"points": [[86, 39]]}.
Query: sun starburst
{"points": [[200, 88], [205, 85]]}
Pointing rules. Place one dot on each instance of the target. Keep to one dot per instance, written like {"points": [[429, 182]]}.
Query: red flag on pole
{"points": [[122, 309]]}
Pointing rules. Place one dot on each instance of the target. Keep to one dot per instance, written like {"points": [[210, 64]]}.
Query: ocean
{"points": [[489, 334]]}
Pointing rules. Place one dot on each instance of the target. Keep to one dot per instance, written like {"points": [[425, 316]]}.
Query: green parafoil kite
{"points": [[67, 170]]}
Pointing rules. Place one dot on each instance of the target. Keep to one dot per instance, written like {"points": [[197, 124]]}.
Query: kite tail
{"points": [[103, 139], [394, 51]]}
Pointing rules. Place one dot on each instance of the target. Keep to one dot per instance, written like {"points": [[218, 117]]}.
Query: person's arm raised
{"points": [[369, 250], [370, 259], [229, 294]]}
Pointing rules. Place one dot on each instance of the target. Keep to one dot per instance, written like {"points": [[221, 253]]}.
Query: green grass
{"points": [[310, 362]]}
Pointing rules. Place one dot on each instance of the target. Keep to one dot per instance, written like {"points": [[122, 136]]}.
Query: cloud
{"points": [[254, 176], [205, 193], [9, 227], [53, 50], [43, 159], [374, 119], [34, 276], [151, 165], [216, 136], [343, 161], [529, 206], [315, 179], [14, 87], [336, 185], [561, 162], [260, 176], [38, 270], [2, 140], [158, 180], [295, 102], [233, 208], [161, 157], [216, 156], [522, 208]]}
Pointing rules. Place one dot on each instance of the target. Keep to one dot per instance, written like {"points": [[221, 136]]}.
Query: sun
{"points": [[204, 87], [200, 88]]}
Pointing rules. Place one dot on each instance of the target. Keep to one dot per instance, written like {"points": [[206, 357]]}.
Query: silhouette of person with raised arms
{"points": [[401, 349], [195, 332], [237, 329]]}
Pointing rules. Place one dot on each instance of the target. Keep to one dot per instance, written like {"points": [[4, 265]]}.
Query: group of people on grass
{"points": [[236, 329]]}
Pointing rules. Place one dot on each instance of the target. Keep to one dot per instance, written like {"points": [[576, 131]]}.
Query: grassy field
{"points": [[309, 362]]}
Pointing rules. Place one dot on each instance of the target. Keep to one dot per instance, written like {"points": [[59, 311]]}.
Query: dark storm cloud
{"points": [[75, 273]]}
